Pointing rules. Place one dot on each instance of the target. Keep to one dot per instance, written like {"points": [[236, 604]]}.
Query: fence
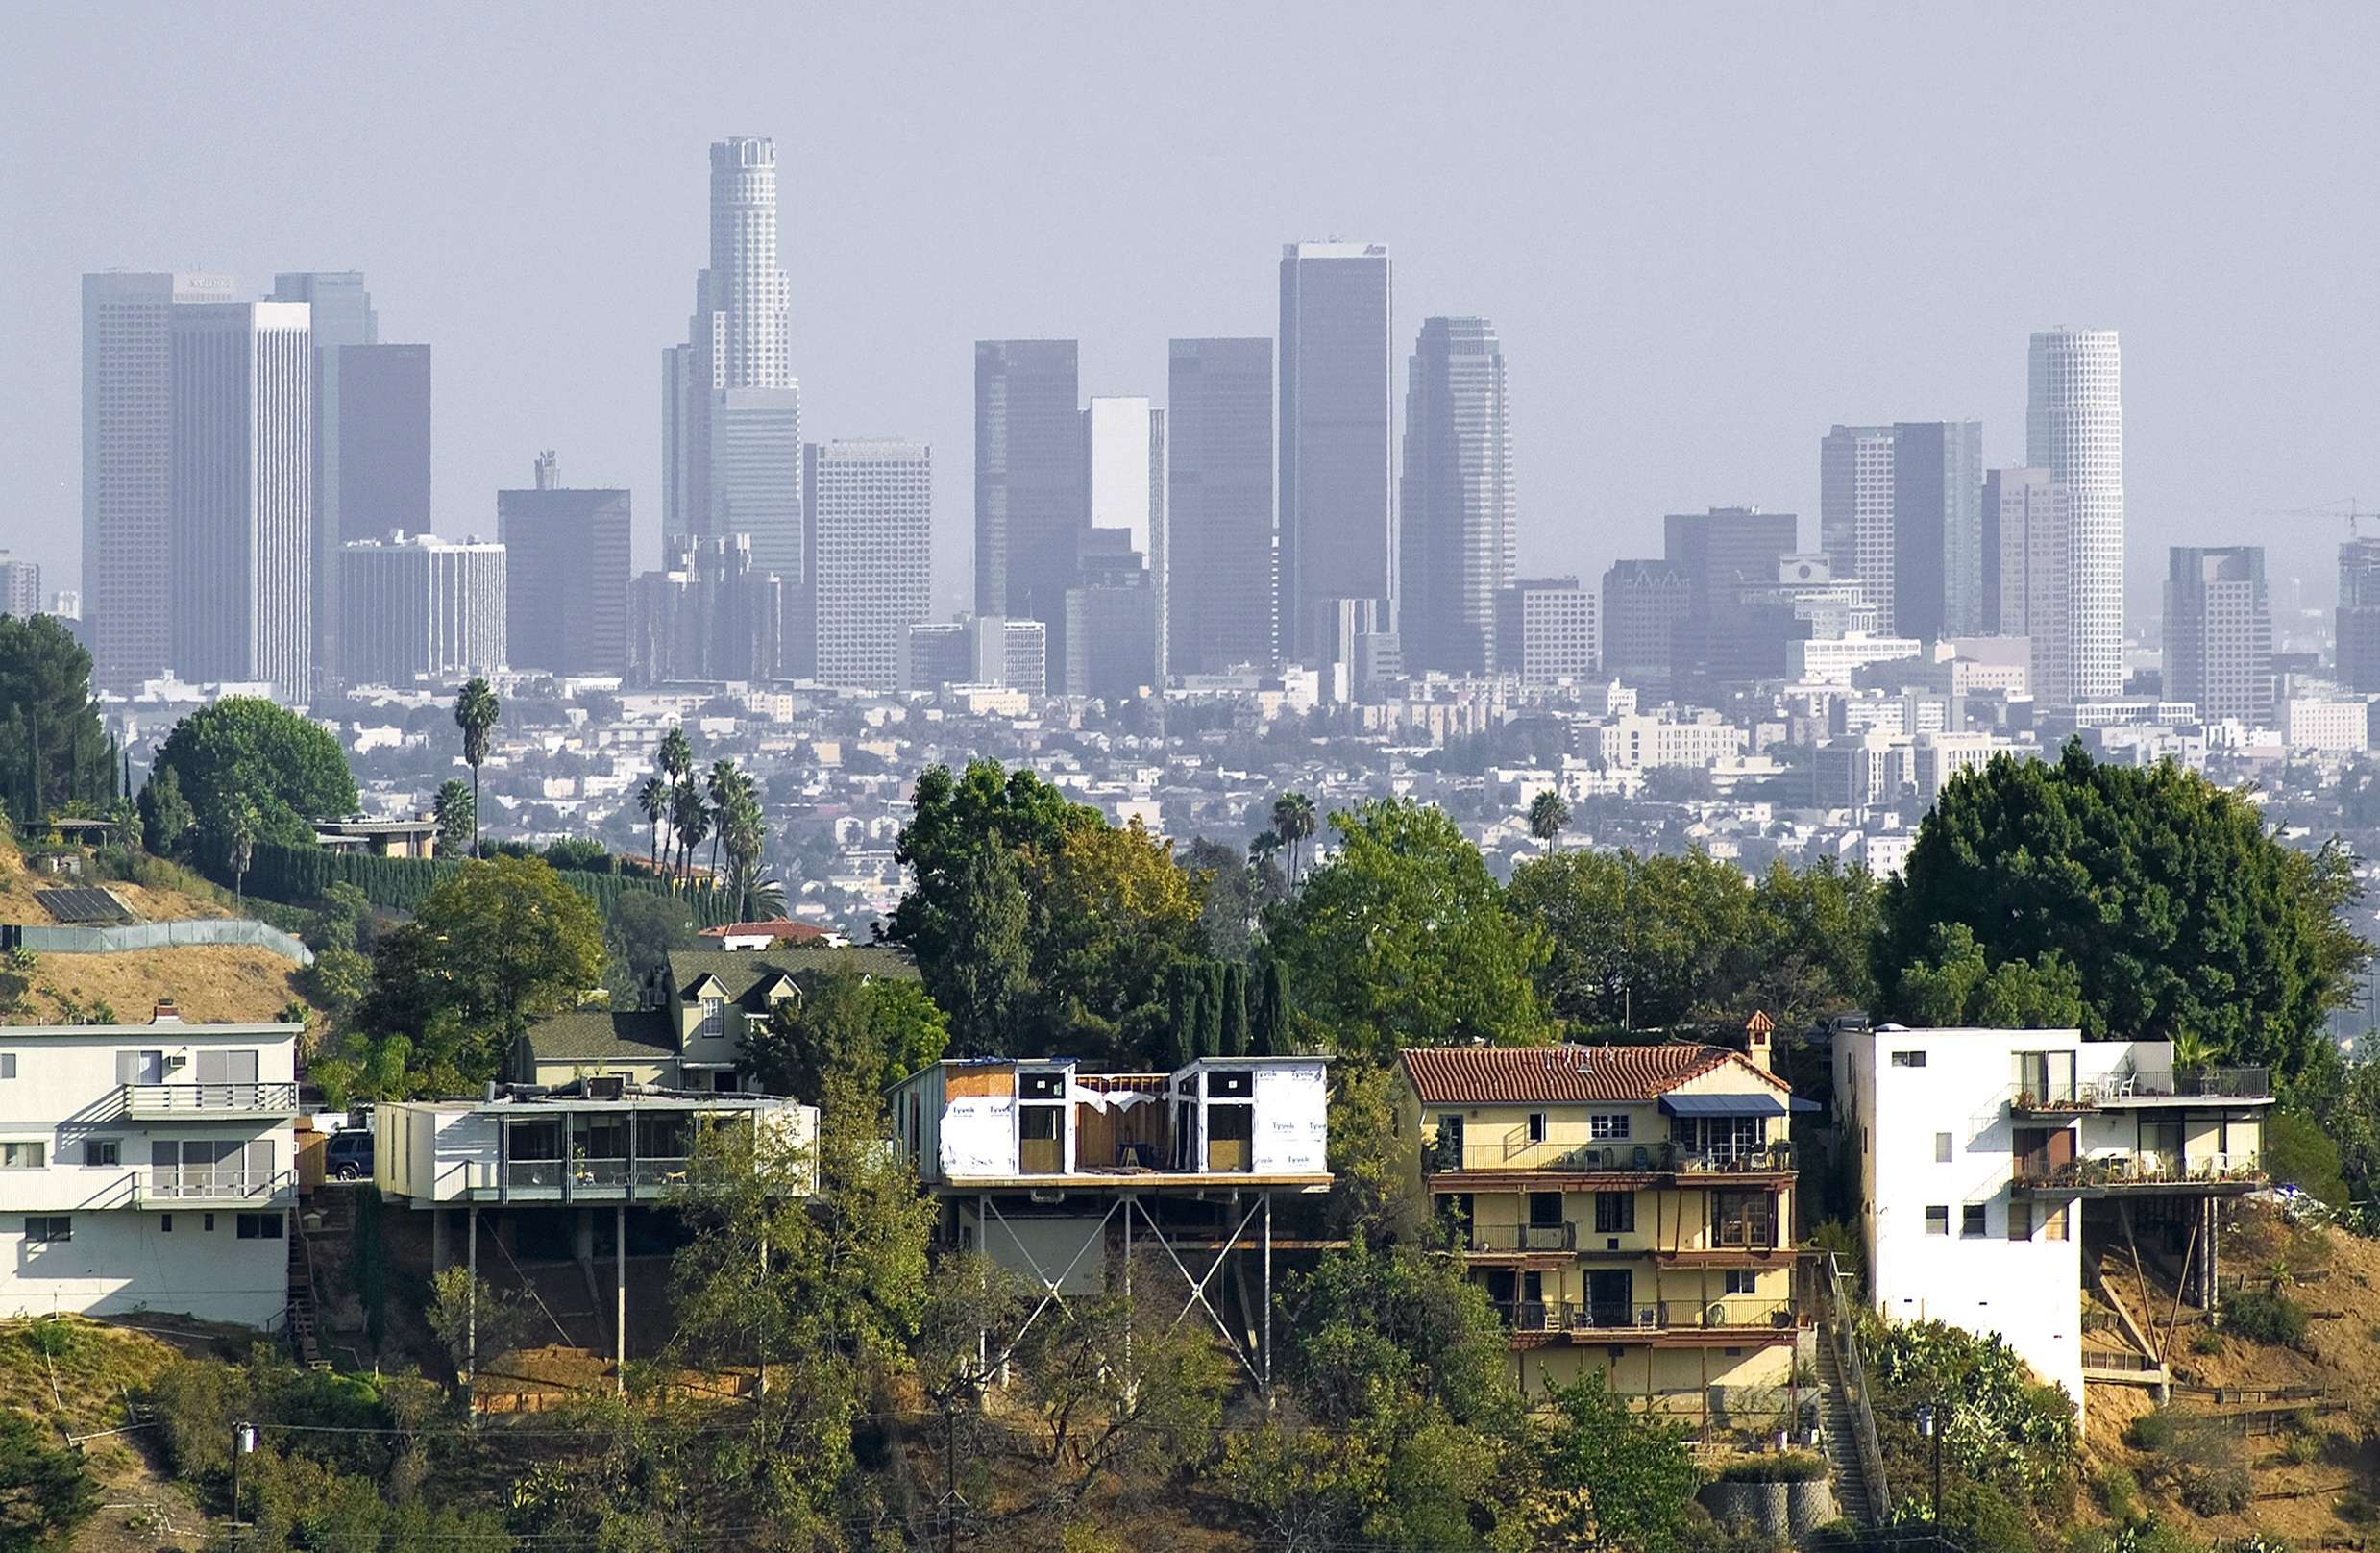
{"points": [[40, 939]]}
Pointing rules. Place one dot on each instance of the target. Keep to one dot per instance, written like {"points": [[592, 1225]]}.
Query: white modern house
{"points": [[1978, 1153], [147, 1166]]}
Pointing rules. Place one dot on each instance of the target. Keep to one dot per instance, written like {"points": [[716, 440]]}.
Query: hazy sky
{"points": [[1705, 233]]}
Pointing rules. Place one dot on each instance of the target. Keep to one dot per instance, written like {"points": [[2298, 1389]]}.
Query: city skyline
{"points": [[1610, 419]]}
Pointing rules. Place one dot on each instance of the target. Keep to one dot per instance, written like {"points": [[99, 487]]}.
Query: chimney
{"points": [[165, 1013], [1758, 1031]]}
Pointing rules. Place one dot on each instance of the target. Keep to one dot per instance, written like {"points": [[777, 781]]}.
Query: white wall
{"points": [[121, 1262], [1292, 1111]]}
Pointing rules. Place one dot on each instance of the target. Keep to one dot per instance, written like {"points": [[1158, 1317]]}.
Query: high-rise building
{"points": [[1220, 545], [342, 319], [1545, 630], [1855, 508], [241, 474], [566, 575], [128, 564], [2219, 632], [1338, 393], [1937, 529], [1646, 606], [870, 537], [1030, 503], [20, 586], [416, 606], [739, 339], [2026, 545], [2359, 615], [1111, 624], [1719, 551], [383, 440], [1752, 636], [710, 614], [1458, 502], [1124, 489], [2074, 427], [978, 649]]}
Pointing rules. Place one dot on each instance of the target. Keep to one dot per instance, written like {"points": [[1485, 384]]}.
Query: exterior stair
{"points": [[304, 1338], [1838, 1429]]}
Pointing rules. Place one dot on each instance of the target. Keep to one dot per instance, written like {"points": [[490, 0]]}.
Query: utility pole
{"points": [[243, 1441], [951, 1474]]}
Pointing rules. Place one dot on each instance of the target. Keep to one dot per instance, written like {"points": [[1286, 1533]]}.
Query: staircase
{"points": [[304, 1337], [1838, 1429]]}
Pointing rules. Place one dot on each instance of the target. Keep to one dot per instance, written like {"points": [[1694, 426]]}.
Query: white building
{"points": [[2027, 525], [20, 586], [2074, 427], [1941, 756], [1856, 509], [1976, 1152], [978, 651], [2334, 727], [1641, 741], [1832, 662], [147, 1166], [417, 607], [872, 544], [1545, 632]]}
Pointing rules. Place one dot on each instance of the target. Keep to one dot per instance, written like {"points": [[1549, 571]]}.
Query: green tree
{"points": [[1633, 942], [653, 799], [984, 970], [722, 786], [165, 818], [1403, 939], [1225, 882], [476, 711], [1548, 817], [876, 1030], [956, 820], [1235, 1036], [1956, 986], [44, 1493], [53, 750], [1295, 821], [287, 768], [1273, 1038], [690, 821], [1612, 1478], [641, 930], [240, 847], [2163, 889], [458, 813]]}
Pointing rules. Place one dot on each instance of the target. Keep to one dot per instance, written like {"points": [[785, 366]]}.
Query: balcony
{"points": [[1563, 1155], [200, 1186], [581, 1180], [209, 1102], [2143, 1174], [1520, 1239], [1601, 1322]]}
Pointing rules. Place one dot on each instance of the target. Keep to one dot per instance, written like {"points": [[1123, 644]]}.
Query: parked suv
{"points": [[348, 1156]]}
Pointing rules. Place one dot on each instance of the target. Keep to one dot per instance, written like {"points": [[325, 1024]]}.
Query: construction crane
{"points": [[2355, 512]]}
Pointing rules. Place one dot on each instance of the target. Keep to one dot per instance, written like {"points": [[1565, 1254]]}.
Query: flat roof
{"points": [[181, 1029]]}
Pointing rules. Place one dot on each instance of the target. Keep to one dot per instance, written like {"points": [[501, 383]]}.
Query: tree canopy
{"points": [[288, 768], [53, 750], [2182, 917], [875, 1031]]}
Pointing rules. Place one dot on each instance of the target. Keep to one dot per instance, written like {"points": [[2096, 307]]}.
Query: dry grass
{"points": [[18, 885]]}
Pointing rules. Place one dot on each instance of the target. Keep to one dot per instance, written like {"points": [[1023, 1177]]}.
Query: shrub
{"points": [[2206, 1339], [2118, 1490], [2302, 1448], [2268, 1317], [2219, 1489], [2155, 1430], [1787, 1466]]}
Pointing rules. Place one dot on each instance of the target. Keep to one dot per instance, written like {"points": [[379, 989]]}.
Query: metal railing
{"points": [[1562, 1237], [2147, 1168], [593, 1175], [210, 1184], [1842, 1333], [1559, 1153], [193, 1099], [1730, 1312]]}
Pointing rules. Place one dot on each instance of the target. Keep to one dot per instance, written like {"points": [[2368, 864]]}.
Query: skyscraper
{"points": [[1545, 630], [1856, 509], [416, 606], [566, 575], [733, 379], [1337, 389], [2219, 632], [1718, 552], [1029, 467], [20, 586], [1219, 548], [1937, 532], [710, 614], [2074, 427], [2359, 615], [382, 441], [1125, 487], [2027, 544], [242, 478], [128, 564], [341, 315], [1457, 550], [871, 532], [1646, 605]]}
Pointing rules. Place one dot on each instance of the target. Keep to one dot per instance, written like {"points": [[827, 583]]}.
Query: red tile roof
{"points": [[1518, 1076]]}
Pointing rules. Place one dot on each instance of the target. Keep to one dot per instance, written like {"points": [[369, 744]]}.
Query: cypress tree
{"points": [[1272, 1030], [1211, 1009], [1234, 1009]]}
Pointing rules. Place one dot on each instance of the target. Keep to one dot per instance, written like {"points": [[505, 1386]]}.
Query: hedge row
{"points": [[303, 874]]}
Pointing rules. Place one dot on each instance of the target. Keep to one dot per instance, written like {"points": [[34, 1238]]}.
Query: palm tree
{"points": [[1293, 821], [454, 810], [242, 850], [476, 711], [746, 834], [676, 758], [653, 798], [724, 783], [690, 818], [1548, 817]]}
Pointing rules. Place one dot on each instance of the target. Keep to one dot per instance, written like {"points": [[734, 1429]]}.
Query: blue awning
{"points": [[1724, 1106]]}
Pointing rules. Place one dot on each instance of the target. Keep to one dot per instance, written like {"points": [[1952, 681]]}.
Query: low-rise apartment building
{"points": [[1628, 1208], [147, 1166], [1979, 1154]]}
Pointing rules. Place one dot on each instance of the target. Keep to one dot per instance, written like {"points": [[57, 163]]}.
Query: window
{"points": [[1743, 1281], [166, 1223], [260, 1227], [1615, 1212], [714, 1025], [8, 1065], [1969, 1220], [1545, 1210], [140, 1067], [207, 1222], [1537, 1127], [24, 1156], [1908, 1059], [1614, 1125], [2019, 1220], [1941, 1148], [1938, 1219], [48, 1229], [103, 1151]]}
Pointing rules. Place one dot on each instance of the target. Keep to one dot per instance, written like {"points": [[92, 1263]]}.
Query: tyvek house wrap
{"points": [[979, 1135], [1292, 1126]]}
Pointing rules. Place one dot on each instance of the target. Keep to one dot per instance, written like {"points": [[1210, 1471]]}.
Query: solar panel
{"points": [[82, 906]]}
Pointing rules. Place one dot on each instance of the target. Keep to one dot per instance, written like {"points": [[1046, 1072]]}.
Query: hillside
{"points": [[2311, 1454], [150, 903]]}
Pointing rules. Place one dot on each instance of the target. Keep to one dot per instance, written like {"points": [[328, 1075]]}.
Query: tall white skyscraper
{"points": [[870, 505], [340, 313], [242, 480], [2074, 427], [1338, 405], [738, 345], [1459, 502], [127, 448], [2026, 540], [418, 607], [1856, 510]]}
